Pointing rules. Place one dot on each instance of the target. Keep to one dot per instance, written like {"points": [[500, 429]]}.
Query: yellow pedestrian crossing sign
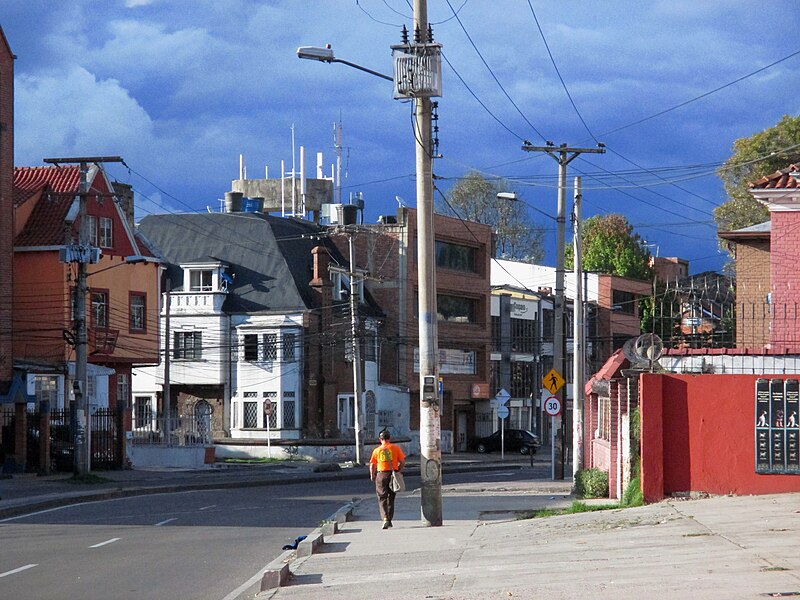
{"points": [[553, 381]]}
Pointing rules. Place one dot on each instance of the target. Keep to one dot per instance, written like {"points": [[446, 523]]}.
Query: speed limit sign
{"points": [[552, 406]]}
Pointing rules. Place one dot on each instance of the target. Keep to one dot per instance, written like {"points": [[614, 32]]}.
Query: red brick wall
{"points": [[6, 205], [785, 255], [698, 435]]}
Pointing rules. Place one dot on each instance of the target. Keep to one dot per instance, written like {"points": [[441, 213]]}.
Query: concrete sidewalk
{"points": [[723, 547]]}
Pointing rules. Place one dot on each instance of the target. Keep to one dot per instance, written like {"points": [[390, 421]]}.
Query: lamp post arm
{"points": [[360, 68]]}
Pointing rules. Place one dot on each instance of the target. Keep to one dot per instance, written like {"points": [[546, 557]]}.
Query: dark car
{"points": [[516, 440]]}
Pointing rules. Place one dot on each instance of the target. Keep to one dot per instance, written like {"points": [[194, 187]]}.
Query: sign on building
{"points": [[777, 427]]}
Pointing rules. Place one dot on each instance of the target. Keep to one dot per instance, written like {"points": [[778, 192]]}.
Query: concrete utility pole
{"points": [[578, 348], [429, 415], [81, 436], [357, 388], [166, 396], [563, 156]]}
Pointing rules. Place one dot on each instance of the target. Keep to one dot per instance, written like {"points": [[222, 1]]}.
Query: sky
{"points": [[181, 88]]}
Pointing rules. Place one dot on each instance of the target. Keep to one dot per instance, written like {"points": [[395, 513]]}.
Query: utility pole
{"points": [[356, 347], [563, 155], [83, 255], [166, 400], [578, 348], [429, 415]]}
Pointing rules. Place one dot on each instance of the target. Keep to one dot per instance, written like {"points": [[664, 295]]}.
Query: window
{"points": [[251, 347], [370, 353], [288, 347], [455, 257], [603, 419], [91, 229], [46, 390], [188, 345], [106, 232], [100, 310], [496, 334], [142, 411], [250, 417], [548, 324], [624, 302], [200, 281], [270, 346], [123, 390], [137, 312], [523, 335], [456, 309]]}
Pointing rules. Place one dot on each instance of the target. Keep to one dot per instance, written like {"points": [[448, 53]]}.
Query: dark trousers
{"points": [[383, 488]]}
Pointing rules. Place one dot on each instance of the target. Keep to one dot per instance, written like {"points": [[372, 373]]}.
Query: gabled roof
{"points": [[269, 257], [779, 180], [59, 186]]}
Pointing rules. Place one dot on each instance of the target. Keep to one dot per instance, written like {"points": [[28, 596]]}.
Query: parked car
{"points": [[516, 440]]}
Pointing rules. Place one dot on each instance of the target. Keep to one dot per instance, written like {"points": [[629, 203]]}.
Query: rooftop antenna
{"points": [[337, 144], [294, 199]]}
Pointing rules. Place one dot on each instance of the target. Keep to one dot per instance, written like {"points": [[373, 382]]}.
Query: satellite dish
{"points": [[649, 347]]}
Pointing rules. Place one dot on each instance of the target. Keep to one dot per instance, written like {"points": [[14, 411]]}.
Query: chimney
{"points": [[321, 262]]}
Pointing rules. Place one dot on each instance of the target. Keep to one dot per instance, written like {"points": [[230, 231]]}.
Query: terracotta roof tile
{"points": [[779, 180], [45, 227]]}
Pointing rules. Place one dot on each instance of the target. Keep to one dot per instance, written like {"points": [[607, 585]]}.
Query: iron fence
{"points": [[185, 429]]}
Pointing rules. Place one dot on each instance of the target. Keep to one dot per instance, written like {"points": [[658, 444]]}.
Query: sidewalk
{"points": [[723, 547]]}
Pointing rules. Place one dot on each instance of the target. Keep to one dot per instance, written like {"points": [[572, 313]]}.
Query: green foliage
{"points": [[591, 483], [632, 496], [474, 198], [610, 246], [752, 158]]}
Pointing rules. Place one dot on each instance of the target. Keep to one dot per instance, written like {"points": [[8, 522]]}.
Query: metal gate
{"points": [[105, 439]]}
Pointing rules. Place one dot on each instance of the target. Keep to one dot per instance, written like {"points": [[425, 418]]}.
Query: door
{"points": [[461, 432]]}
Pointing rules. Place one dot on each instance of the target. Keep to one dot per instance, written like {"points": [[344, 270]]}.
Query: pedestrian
{"points": [[385, 459]]}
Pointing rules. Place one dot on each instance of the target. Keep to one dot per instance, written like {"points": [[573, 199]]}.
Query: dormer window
{"points": [[201, 280], [341, 287]]}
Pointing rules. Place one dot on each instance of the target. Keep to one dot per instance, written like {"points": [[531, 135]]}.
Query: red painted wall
{"points": [[698, 435]]}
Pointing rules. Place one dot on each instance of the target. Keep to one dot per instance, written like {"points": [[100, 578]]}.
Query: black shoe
{"points": [[387, 524], [390, 523]]}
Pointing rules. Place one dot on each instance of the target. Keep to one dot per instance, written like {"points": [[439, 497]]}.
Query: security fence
{"points": [[191, 428]]}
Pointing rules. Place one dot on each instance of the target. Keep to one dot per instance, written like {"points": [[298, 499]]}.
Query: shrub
{"points": [[591, 483], [632, 496]]}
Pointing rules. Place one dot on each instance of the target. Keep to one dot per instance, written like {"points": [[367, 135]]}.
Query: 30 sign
{"points": [[552, 406]]}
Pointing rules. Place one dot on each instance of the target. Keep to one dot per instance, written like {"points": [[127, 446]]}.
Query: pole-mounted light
{"points": [[326, 55]]}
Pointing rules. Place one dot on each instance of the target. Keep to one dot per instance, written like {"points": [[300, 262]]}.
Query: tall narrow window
{"points": [[100, 310], [137, 312], [251, 347], [288, 347], [270, 346], [123, 390], [106, 232], [91, 229]]}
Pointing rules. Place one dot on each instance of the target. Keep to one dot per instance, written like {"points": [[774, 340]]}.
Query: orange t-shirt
{"points": [[387, 456]]}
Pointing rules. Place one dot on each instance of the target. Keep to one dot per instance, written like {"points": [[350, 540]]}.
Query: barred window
{"points": [[250, 415], [270, 346], [142, 411], [288, 347], [289, 421]]}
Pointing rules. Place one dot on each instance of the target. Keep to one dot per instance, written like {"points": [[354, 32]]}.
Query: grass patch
{"points": [[87, 479], [695, 534], [632, 496], [573, 509], [764, 569]]}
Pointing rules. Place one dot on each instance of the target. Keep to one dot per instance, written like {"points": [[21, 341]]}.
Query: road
{"points": [[200, 544]]}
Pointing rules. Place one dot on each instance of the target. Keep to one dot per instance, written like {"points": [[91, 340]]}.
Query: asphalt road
{"points": [[187, 545]]}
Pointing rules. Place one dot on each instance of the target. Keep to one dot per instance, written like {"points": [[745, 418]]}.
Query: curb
{"points": [[277, 573]]}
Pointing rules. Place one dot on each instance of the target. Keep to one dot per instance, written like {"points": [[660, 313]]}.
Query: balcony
{"points": [[195, 303]]}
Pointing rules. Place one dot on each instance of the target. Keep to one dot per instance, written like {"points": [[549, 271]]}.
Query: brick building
{"points": [[388, 252], [6, 205], [766, 267]]}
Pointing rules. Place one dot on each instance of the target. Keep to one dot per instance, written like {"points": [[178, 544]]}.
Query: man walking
{"points": [[385, 459]]}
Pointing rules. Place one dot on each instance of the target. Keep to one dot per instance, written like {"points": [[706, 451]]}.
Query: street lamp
{"points": [[326, 55], [417, 69]]}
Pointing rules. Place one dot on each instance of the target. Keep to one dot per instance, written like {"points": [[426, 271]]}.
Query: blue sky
{"points": [[180, 88]]}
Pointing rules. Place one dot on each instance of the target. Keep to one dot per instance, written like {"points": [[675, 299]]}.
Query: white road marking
{"points": [[207, 507], [165, 521], [11, 572], [111, 541], [503, 474]]}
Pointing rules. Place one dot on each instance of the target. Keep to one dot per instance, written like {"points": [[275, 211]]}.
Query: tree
{"points": [[754, 157], [610, 246], [474, 198]]}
